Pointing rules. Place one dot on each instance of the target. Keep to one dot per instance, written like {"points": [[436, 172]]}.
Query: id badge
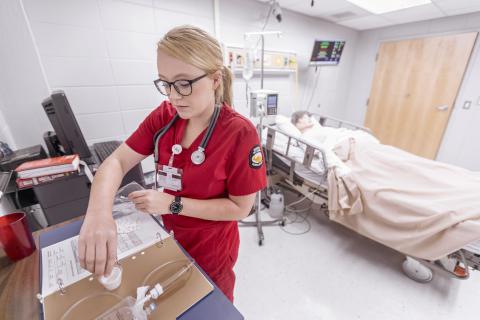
{"points": [[169, 178]]}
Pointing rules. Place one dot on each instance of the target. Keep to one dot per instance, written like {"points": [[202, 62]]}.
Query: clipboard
{"points": [[214, 306], [75, 297]]}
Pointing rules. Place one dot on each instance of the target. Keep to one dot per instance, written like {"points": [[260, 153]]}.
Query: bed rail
{"points": [[337, 123], [310, 152]]}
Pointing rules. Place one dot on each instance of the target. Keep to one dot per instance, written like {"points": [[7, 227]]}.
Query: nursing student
{"points": [[214, 152]]}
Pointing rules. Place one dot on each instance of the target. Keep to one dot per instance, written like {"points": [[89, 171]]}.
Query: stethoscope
{"points": [[198, 156]]}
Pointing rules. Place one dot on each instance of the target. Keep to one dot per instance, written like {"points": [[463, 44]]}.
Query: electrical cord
{"points": [[265, 23], [304, 95], [313, 89], [300, 216], [303, 220]]}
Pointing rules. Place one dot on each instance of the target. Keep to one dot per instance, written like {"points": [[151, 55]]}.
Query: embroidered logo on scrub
{"points": [[255, 158]]}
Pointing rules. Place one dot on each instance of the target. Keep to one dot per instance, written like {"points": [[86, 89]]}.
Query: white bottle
{"points": [[277, 205], [249, 61], [248, 65]]}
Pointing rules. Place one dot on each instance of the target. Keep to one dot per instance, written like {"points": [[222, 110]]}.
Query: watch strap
{"points": [[176, 206]]}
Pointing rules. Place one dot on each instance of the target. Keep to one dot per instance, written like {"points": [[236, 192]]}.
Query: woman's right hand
{"points": [[97, 244]]}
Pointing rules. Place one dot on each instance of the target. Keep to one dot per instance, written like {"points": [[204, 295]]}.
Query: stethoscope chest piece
{"points": [[176, 149], [198, 156]]}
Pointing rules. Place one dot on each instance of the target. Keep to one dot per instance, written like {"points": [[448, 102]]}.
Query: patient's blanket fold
{"points": [[422, 208]]}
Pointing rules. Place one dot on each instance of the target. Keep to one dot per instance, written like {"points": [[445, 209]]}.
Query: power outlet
{"points": [[467, 104]]}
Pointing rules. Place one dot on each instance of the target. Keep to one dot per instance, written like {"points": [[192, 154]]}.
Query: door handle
{"points": [[443, 107]]}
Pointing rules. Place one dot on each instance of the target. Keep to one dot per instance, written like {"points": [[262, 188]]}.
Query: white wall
{"points": [[102, 53], [298, 34], [5, 133], [22, 82], [460, 143]]}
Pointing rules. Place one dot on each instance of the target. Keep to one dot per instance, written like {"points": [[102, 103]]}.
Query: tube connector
{"points": [[156, 291]]}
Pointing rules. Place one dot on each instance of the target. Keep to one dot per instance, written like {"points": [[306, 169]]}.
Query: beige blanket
{"points": [[422, 208]]}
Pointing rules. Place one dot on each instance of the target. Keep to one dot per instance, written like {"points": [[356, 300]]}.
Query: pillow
{"points": [[284, 124]]}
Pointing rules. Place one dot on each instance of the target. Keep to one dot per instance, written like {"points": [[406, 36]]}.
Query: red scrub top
{"points": [[233, 166]]}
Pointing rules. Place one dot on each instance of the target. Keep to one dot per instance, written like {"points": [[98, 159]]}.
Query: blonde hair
{"points": [[196, 47]]}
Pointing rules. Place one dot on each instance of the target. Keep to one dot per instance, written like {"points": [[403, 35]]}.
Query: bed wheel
{"points": [[283, 223], [260, 242], [417, 271]]}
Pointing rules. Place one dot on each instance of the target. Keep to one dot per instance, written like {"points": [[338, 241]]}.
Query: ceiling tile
{"points": [[424, 12], [448, 5], [285, 3], [368, 22], [332, 10], [451, 9], [355, 17], [346, 13], [320, 6]]}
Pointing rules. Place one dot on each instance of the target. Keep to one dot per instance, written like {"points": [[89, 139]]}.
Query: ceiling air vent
{"points": [[343, 15]]}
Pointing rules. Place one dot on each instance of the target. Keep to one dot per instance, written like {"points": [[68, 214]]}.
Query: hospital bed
{"points": [[294, 161]]}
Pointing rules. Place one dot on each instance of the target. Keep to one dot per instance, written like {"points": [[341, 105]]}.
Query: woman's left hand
{"points": [[151, 201]]}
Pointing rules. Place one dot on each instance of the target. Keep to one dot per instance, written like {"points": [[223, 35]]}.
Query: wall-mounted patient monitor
{"points": [[326, 52]]}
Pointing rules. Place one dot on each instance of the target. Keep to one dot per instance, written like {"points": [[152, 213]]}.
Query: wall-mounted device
{"points": [[263, 103], [326, 52]]}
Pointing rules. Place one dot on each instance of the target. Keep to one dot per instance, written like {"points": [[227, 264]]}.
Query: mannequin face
{"points": [[304, 123], [200, 103]]}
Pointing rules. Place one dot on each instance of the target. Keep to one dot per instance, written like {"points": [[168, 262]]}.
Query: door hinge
{"points": [[368, 101], [376, 58]]}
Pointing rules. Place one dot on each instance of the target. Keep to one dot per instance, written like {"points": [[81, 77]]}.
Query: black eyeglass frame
{"points": [[170, 84]]}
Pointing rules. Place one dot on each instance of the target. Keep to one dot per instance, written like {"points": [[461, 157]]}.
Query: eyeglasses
{"points": [[183, 87]]}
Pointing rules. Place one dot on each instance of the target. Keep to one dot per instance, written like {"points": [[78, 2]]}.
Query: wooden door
{"points": [[414, 89]]}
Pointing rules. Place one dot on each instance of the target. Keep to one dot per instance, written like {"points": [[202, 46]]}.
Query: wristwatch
{"points": [[176, 206]]}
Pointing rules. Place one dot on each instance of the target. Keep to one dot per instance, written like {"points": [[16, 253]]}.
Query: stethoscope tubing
{"points": [[203, 144]]}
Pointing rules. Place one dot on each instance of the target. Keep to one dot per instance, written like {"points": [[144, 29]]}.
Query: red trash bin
{"points": [[15, 236]]}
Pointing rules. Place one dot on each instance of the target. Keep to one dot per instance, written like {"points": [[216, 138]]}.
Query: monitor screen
{"points": [[272, 104], [326, 52], [65, 125]]}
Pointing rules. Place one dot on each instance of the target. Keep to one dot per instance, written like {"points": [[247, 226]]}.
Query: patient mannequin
{"points": [[302, 120], [327, 137], [313, 131]]}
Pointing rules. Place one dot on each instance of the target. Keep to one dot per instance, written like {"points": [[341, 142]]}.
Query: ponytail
{"points": [[224, 91]]}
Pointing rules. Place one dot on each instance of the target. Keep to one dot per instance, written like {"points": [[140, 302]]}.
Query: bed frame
{"points": [[283, 167]]}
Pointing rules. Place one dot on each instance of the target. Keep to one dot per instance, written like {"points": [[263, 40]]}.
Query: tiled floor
{"points": [[332, 273]]}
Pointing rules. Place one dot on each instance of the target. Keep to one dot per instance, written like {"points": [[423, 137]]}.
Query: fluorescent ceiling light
{"points": [[383, 6]]}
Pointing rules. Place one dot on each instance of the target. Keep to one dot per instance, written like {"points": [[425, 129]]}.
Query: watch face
{"points": [[176, 207]]}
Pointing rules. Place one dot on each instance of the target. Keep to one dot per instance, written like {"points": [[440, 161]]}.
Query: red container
{"points": [[15, 236]]}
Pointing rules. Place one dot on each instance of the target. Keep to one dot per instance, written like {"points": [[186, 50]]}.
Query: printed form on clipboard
{"points": [[136, 231]]}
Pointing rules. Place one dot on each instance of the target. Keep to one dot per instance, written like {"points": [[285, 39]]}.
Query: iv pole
{"points": [[258, 198]]}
